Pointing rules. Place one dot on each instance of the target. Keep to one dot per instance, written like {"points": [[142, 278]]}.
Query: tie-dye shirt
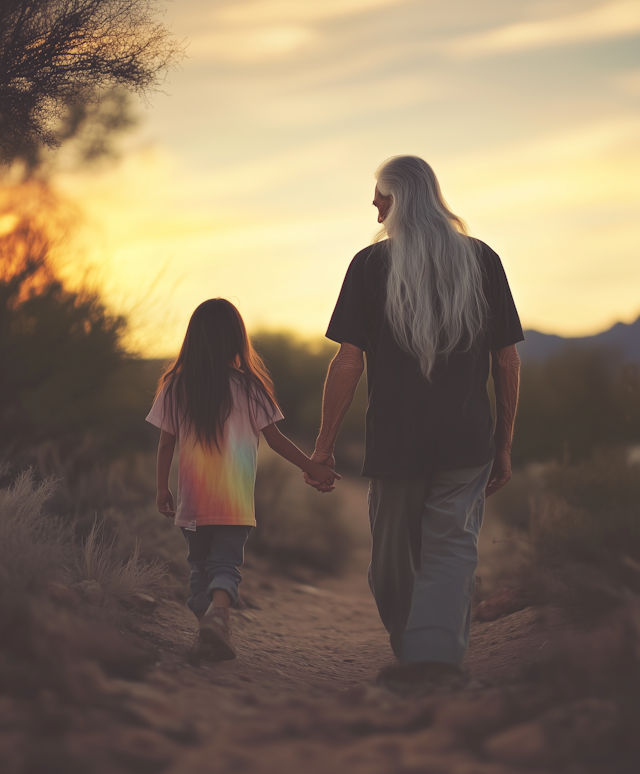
{"points": [[216, 486]]}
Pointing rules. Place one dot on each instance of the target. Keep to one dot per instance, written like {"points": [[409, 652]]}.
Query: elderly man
{"points": [[431, 309]]}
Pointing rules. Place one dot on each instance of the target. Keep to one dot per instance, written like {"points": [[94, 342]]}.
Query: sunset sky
{"points": [[253, 177]]}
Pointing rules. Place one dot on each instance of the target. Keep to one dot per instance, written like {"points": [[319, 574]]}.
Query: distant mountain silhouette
{"points": [[625, 338]]}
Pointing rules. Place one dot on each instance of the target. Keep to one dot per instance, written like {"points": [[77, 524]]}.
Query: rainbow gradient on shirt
{"points": [[216, 487]]}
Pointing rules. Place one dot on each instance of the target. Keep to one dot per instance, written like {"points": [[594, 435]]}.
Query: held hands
{"points": [[322, 475], [164, 501], [500, 472]]}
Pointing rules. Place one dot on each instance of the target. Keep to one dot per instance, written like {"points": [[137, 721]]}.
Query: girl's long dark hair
{"points": [[216, 349]]}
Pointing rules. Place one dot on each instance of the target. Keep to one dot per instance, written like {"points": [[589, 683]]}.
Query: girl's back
{"points": [[213, 402], [216, 481]]}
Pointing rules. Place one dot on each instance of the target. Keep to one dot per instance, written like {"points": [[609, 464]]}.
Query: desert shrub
{"points": [[121, 494], [591, 513], [513, 504], [298, 526], [35, 548], [89, 483], [580, 541], [48, 638], [66, 370], [158, 540], [58, 344], [38, 548], [120, 581], [575, 402], [298, 369]]}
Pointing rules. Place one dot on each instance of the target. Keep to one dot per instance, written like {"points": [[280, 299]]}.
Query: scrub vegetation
{"points": [[41, 563], [59, 53], [83, 550], [577, 527], [297, 527], [576, 402]]}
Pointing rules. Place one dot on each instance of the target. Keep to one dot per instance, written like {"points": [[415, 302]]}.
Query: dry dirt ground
{"points": [[301, 696]]}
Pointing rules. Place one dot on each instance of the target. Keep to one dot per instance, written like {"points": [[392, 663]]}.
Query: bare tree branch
{"points": [[57, 52]]}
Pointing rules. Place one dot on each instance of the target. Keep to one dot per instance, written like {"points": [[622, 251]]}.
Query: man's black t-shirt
{"points": [[413, 426]]}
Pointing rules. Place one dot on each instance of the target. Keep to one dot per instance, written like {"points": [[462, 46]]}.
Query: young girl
{"points": [[215, 399]]}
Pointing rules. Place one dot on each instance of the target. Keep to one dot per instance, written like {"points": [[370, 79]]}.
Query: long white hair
{"points": [[435, 301]]}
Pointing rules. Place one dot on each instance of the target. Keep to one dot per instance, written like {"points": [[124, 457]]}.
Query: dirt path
{"points": [[301, 694], [326, 634], [317, 635]]}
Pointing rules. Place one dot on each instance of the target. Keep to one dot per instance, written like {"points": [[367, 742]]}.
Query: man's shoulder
{"points": [[367, 251], [489, 260], [371, 256], [483, 250]]}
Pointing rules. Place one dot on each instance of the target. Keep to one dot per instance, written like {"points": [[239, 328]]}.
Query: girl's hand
{"points": [[164, 501], [321, 475]]}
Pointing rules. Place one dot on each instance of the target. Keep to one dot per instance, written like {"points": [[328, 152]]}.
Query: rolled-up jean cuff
{"points": [[224, 584], [433, 645]]}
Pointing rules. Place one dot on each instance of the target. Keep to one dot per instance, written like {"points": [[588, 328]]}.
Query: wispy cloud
{"points": [[265, 30], [610, 20], [263, 176], [287, 11], [247, 45], [627, 82]]}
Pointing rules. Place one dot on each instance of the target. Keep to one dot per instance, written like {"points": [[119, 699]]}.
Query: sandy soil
{"points": [[301, 694]]}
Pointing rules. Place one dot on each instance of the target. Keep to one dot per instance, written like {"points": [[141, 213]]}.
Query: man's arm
{"points": [[505, 369], [342, 379], [290, 452]]}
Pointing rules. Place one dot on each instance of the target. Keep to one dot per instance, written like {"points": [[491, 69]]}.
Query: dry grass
{"points": [[35, 547], [298, 526], [46, 639], [122, 493], [87, 482], [577, 529], [119, 581]]}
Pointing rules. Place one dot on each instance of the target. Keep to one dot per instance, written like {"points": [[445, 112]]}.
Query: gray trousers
{"points": [[423, 560]]}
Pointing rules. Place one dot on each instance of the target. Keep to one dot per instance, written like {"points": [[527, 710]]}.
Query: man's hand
{"points": [[500, 473], [344, 373], [505, 369], [324, 459], [164, 501]]}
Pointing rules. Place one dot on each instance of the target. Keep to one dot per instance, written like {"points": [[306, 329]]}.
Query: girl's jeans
{"points": [[423, 560], [216, 552]]}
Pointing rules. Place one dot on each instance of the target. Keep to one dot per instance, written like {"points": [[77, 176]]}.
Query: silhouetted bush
{"points": [[570, 404], [34, 549], [298, 369], [51, 631], [575, 402], [600, 500], [65, 372], [578, 528], [298, 526]]}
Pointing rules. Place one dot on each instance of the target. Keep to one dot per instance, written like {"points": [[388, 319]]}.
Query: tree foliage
{"points": [[298, 369], [86, 134], [61, 348], [575, 402], [55, 53], [56, 345]]}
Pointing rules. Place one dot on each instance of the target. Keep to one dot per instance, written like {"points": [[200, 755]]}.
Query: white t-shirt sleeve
{"points": [[161, 414], [262, 417]]}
